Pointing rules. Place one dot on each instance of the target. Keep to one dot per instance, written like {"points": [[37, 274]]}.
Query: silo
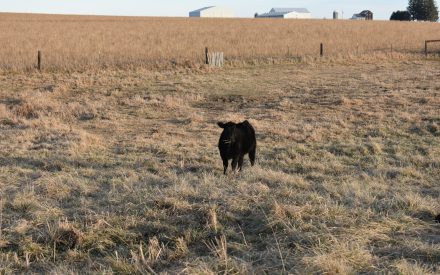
{"points": [[335, 15]]}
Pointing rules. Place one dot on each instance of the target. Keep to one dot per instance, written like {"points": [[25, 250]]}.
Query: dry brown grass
{"points": [[78, 42], [118, 171]]}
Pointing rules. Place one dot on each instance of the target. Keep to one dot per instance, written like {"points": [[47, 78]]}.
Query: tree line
{"points": [[420, 10]]}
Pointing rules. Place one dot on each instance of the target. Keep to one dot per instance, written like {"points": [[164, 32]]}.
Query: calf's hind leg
{"points": [[252, 156], [240, 162], [234, 163]]}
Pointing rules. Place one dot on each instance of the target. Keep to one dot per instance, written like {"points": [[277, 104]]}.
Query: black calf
{"points": [[236, 141]]}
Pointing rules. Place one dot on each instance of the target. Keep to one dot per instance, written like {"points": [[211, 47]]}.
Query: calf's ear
{"points": [[221, 124]]}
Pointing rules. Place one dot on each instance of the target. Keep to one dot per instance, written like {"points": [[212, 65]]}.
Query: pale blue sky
{"points": [[242, 8]]}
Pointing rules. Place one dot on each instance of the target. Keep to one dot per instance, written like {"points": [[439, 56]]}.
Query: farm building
{"points": [[286, 13], [212, 12], [364, 15]]}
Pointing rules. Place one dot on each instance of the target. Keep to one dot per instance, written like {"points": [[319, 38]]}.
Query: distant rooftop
{"points": [[205, 8], [288, 10], [281, 12]]}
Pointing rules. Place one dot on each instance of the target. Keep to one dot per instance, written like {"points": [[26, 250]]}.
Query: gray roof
{"points": [[272, 14], [289, 10], [202, 9]]}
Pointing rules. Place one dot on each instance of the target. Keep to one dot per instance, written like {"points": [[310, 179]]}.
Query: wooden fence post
{"points": [[426, 48], [206, 56], [39, 61], [322, 50]]}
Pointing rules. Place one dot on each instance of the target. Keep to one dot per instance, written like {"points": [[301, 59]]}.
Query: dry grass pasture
{"points": [[110, 166], [117, 171], [90, 42]]}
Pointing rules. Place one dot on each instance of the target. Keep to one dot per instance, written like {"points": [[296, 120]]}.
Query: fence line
{"points": [[214, 59]]}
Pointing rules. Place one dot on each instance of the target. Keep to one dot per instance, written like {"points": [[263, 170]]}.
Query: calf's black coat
{"points": [[236, 141]]}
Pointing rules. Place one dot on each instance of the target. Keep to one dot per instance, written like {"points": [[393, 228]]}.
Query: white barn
{"points": [[286, 13], [212, 12]]}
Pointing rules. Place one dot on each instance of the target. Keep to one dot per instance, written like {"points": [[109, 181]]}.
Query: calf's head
{"points": [[228, 134]]}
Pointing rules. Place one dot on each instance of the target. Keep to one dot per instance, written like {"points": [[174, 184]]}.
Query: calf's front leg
{"points": [[225, 165]]}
